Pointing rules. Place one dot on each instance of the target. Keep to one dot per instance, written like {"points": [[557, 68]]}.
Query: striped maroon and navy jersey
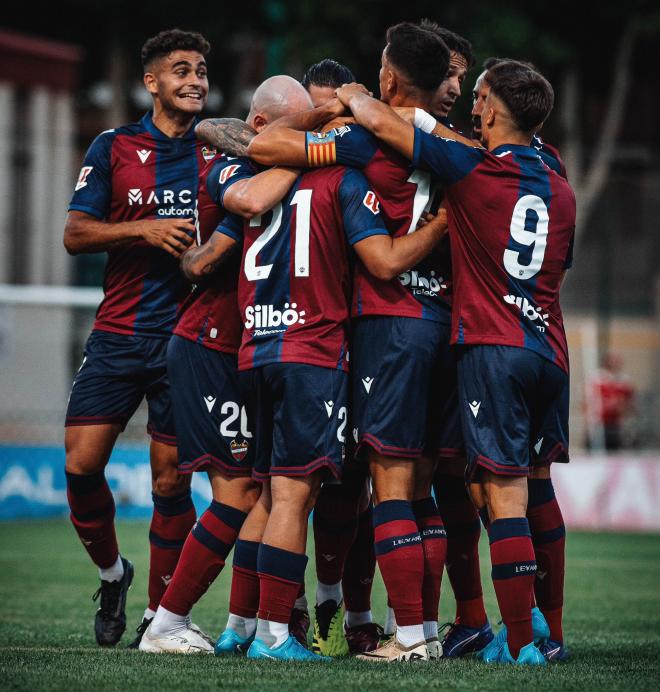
{"points": [[210, 315], [404, 192], [295, 280], [512, 220], [131, 173]]}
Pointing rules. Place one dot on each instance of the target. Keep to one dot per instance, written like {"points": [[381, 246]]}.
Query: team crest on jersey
{"points": [[209, 153], [238, 449], [371, 202], [82, 177], [228, 172]]}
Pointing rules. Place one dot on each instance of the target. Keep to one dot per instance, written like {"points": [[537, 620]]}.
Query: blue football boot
{"points": [[540, 632], [554, 652], [291, 650], [231, 644], [529, 655], [461, 640]]}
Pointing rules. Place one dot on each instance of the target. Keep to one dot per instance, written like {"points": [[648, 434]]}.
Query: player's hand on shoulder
{"points": [[346, 92], [172, 235]]}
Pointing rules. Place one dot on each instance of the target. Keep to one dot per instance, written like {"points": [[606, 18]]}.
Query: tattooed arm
{"points": [[229, 135], [200, 261]]}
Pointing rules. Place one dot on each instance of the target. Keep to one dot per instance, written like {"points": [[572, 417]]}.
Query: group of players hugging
{"points": [[246, 260]]}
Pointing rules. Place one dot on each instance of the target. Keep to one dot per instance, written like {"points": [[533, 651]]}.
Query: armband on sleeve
{"points": [[321, 149]]}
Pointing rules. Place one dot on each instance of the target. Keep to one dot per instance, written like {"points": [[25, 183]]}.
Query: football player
{"points": [[135, 200]]}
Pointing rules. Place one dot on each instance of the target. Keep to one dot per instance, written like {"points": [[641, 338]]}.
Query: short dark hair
{"points": [[492, 61], [526, 93], [165, 42], [420, 54], [327, 73], [455, 42]]}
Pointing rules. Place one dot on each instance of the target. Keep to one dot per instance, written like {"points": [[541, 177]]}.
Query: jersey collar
{"points": [[519, 149], [148, 124]]}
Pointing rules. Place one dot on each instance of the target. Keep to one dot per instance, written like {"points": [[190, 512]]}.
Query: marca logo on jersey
{"points": [[267, 319], [371, 202], [422, 285], [138, 197], [228, 172], [82, 177], [529, 310]]}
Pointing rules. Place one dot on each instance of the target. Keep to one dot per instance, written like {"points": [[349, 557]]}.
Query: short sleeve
{"points": [[360, 207], [224, 173], [355, 145], [93, 191], [450, 161], [232, 226]]}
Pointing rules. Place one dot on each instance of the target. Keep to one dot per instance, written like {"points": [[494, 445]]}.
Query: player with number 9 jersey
{"points": [[507, 280]]}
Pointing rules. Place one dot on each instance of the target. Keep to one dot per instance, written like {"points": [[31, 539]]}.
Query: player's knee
{"points": [[169, 482], [83, 462]]}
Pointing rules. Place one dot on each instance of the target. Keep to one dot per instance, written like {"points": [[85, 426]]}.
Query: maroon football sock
{"points": [[244, 594], [434, 544], [203, 557], [335, 525], [360, 566], [461, 521], [546, 525], [513, 571], [93, 516], [281, 572], [400, 558], [172, 519]]}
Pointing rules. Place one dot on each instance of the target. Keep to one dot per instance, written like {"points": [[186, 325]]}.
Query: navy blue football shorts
{"points": [[552, 444], [397, 366], [506, 395], [298, 416], [117, 372], [211, 420]]}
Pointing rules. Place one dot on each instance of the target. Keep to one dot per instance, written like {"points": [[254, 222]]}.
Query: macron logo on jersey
{"points": [[474, 407], [228, 172], [371, 202], [82, 177], [143, 154]]}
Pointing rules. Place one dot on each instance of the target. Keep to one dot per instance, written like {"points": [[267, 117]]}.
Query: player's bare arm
{"points": [[229, 135], [256, 195], [84, 233], [283, 141], [379, 118], [386, 257], [200, 261]]}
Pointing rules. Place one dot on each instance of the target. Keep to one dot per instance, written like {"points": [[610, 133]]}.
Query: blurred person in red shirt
{"points": [[612, 400]]}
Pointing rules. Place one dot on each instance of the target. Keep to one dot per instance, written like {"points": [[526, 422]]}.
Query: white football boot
{"points": [[183, 641]]}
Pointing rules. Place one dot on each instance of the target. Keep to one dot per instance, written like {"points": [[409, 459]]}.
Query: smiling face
{"points": [[450, 89], [179, 82]]}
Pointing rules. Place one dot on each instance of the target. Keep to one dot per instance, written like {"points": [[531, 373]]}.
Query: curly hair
{"points": [[165, 42]]}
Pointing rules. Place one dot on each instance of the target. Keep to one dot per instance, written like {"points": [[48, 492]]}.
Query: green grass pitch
{"points": [[612, 625]]}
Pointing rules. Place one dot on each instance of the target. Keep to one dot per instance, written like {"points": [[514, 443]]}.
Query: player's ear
{"points": [[488, 117], [259, 122], [150, 82]]}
